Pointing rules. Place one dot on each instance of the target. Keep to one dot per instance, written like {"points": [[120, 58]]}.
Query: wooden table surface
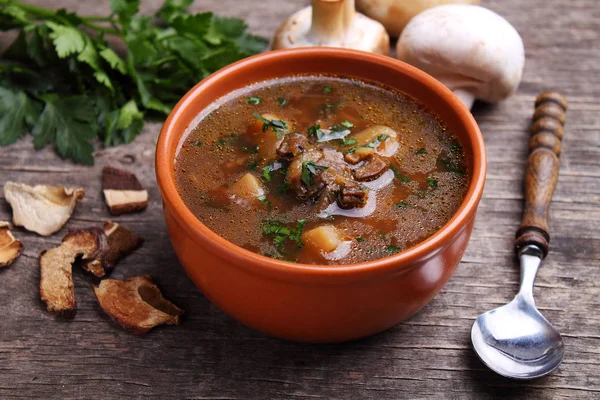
{"points": [[211, 356]]}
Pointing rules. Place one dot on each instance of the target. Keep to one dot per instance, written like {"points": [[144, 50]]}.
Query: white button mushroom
{"points": [[472, 50], [395, 14], [332, 23]]}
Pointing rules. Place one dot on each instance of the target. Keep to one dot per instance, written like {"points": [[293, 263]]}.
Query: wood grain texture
{"points": [[541, 170], [211, 356]]}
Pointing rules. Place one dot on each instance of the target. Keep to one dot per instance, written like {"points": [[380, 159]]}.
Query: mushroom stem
{"points": [[465, 96], [349, 13], [331, 19]]}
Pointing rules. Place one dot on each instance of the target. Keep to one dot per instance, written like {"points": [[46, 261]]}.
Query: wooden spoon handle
{"points": [[541, 173]]}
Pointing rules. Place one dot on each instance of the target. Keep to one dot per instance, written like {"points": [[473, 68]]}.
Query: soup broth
{"points": [[321, 170]]}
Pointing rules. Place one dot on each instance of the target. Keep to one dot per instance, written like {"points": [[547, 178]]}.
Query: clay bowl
{"points": [[313, 303]]}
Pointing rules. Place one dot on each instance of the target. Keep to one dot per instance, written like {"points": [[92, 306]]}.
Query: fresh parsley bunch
{"points": [[62, 82]]}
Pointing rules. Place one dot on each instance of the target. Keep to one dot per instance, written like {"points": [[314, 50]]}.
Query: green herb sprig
{"points": [[278, 126], [393, 249], [398, 175], [282, 233], [60, 80], [433, 183], [254, 100], [266, 171], [309, 169]]}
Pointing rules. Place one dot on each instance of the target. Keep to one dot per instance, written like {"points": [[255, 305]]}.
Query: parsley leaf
{"points": [[282, 233], [309, 169], [67, 40], [17, 114], [335, 132], [64, 122], [126, 9], [113, 60], [393, 249], [296, 235], [253, 100], [401, 177], [451, 166], [124, 124], [266, 171], [315, 131], [171, 9], [227, 140], [432, 183], [263, 200], [327, 89], [252, 165], [278, 126], [282, 102], [403, 204], [455, 147], [250, 149], [283, 188], [421, 151]]}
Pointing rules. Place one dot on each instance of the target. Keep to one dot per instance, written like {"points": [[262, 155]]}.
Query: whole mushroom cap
{"points": [[332, 23], [395, 14], [472, 50]]}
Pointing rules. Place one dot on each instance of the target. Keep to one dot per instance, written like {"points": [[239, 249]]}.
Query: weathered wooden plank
{"points": [[429, 356]]}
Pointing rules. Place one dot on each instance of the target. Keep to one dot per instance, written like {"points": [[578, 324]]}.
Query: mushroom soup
{"points": [[321, 170]]}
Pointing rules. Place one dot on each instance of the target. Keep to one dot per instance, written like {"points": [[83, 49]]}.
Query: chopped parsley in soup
{"points": [[321, 170]]}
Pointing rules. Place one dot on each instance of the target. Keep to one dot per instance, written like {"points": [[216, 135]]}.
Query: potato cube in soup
{"points": [[324, 238], [247, 187]]}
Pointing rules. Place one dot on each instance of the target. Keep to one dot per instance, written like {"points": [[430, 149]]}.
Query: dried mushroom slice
{"points": [[136, 304], [41, 209], [121, 242], [56, 281], [123, 192], [10, 248]]}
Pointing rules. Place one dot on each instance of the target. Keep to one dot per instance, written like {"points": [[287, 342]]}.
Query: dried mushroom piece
{"points": [[136, 304], [56, 281], [123, 192], [372, 169], [10, 248], [121, 242], [41, 209]]}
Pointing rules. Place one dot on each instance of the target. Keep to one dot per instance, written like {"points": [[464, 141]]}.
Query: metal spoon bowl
{"points": [[515, 340]]}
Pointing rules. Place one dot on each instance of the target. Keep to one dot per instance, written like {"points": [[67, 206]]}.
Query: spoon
{"points": [[515, 340]]}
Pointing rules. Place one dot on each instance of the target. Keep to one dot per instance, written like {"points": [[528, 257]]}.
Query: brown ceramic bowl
{"points": [[315, 303]]}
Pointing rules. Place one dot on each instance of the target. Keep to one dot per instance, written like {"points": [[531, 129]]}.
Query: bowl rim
{"points": [[258, 263]]}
